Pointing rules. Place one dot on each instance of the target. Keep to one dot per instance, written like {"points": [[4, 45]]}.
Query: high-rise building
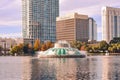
{"points": [[72, 27], [92, 30], [39, 19], [110, 23]]}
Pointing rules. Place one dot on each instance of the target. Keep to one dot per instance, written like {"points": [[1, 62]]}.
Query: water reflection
{"points": [[91, 68], [61, 69]]}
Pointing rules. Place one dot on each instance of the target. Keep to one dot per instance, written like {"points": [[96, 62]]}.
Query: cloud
{"points": [[10, 4], [11, 35], [91, 11], [92, 8], [10, 23], [87, 7], [10, 13]]}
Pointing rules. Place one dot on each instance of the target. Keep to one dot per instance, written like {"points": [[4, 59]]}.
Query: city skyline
{"points": [[11, 24]]}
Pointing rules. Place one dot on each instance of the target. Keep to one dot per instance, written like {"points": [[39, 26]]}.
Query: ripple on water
{"points": [[91, 68]]}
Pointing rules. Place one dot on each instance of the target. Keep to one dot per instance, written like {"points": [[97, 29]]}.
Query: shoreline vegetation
{"points": [[101, 48]]}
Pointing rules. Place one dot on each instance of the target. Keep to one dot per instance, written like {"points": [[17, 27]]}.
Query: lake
{"points": [[31, 68]]}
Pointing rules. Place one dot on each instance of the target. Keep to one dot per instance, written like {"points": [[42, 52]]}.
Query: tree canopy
{"points": [[37, 45], [115, 40]]}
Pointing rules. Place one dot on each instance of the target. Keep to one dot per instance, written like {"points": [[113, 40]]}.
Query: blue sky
{"points": [[10, 13]]}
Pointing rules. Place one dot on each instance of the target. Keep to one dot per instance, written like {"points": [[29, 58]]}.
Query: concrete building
{"points": [[72, 27], [110, 23], [39, 19], [92, 30]]}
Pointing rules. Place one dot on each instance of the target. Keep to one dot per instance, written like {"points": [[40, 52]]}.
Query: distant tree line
{"points": [[28, 49], [101, 47]]}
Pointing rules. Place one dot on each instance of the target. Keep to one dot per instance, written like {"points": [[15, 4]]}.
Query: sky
{"points": [[11, 13]]}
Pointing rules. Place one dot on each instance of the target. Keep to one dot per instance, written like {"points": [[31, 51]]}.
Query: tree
{"points": [[115, 40], [48, 45], [118, 48], [30, 46], [20, 45], [76, 44], [37, 45], [103, 45], [0, 50], [25, 48], [15, 49], [18, 49], [114, 47], [84, 48], [43, 48]]}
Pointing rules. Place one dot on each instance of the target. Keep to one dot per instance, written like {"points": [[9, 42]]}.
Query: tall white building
{"points": [[110, 23], [92, 30]]}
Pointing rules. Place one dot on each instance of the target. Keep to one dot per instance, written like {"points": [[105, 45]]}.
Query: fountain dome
{"points": [[61, 49]]}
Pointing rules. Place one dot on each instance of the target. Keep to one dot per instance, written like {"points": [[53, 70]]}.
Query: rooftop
{"points": [[72, 15]]}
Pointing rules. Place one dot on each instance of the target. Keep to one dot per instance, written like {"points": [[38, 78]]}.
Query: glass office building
{"points": [[39, 19]]}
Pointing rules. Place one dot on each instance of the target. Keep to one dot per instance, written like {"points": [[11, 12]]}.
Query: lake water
{"points": [[31, 68]]}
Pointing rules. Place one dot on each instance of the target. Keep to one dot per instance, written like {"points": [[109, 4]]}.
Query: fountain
{"points": [[61, 49]]}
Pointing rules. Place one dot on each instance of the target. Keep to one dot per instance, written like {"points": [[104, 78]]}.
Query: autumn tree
{"points": [[37, 45], [49, 45], [83, 48], [43, 47]]}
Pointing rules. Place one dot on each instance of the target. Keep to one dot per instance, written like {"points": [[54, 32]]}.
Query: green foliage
{"points": [[115, 48], [25, 48], [76, 44], [16, 49], [1, 49], [115, 40], [103, 46], [22, 49], [93, 48]]}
